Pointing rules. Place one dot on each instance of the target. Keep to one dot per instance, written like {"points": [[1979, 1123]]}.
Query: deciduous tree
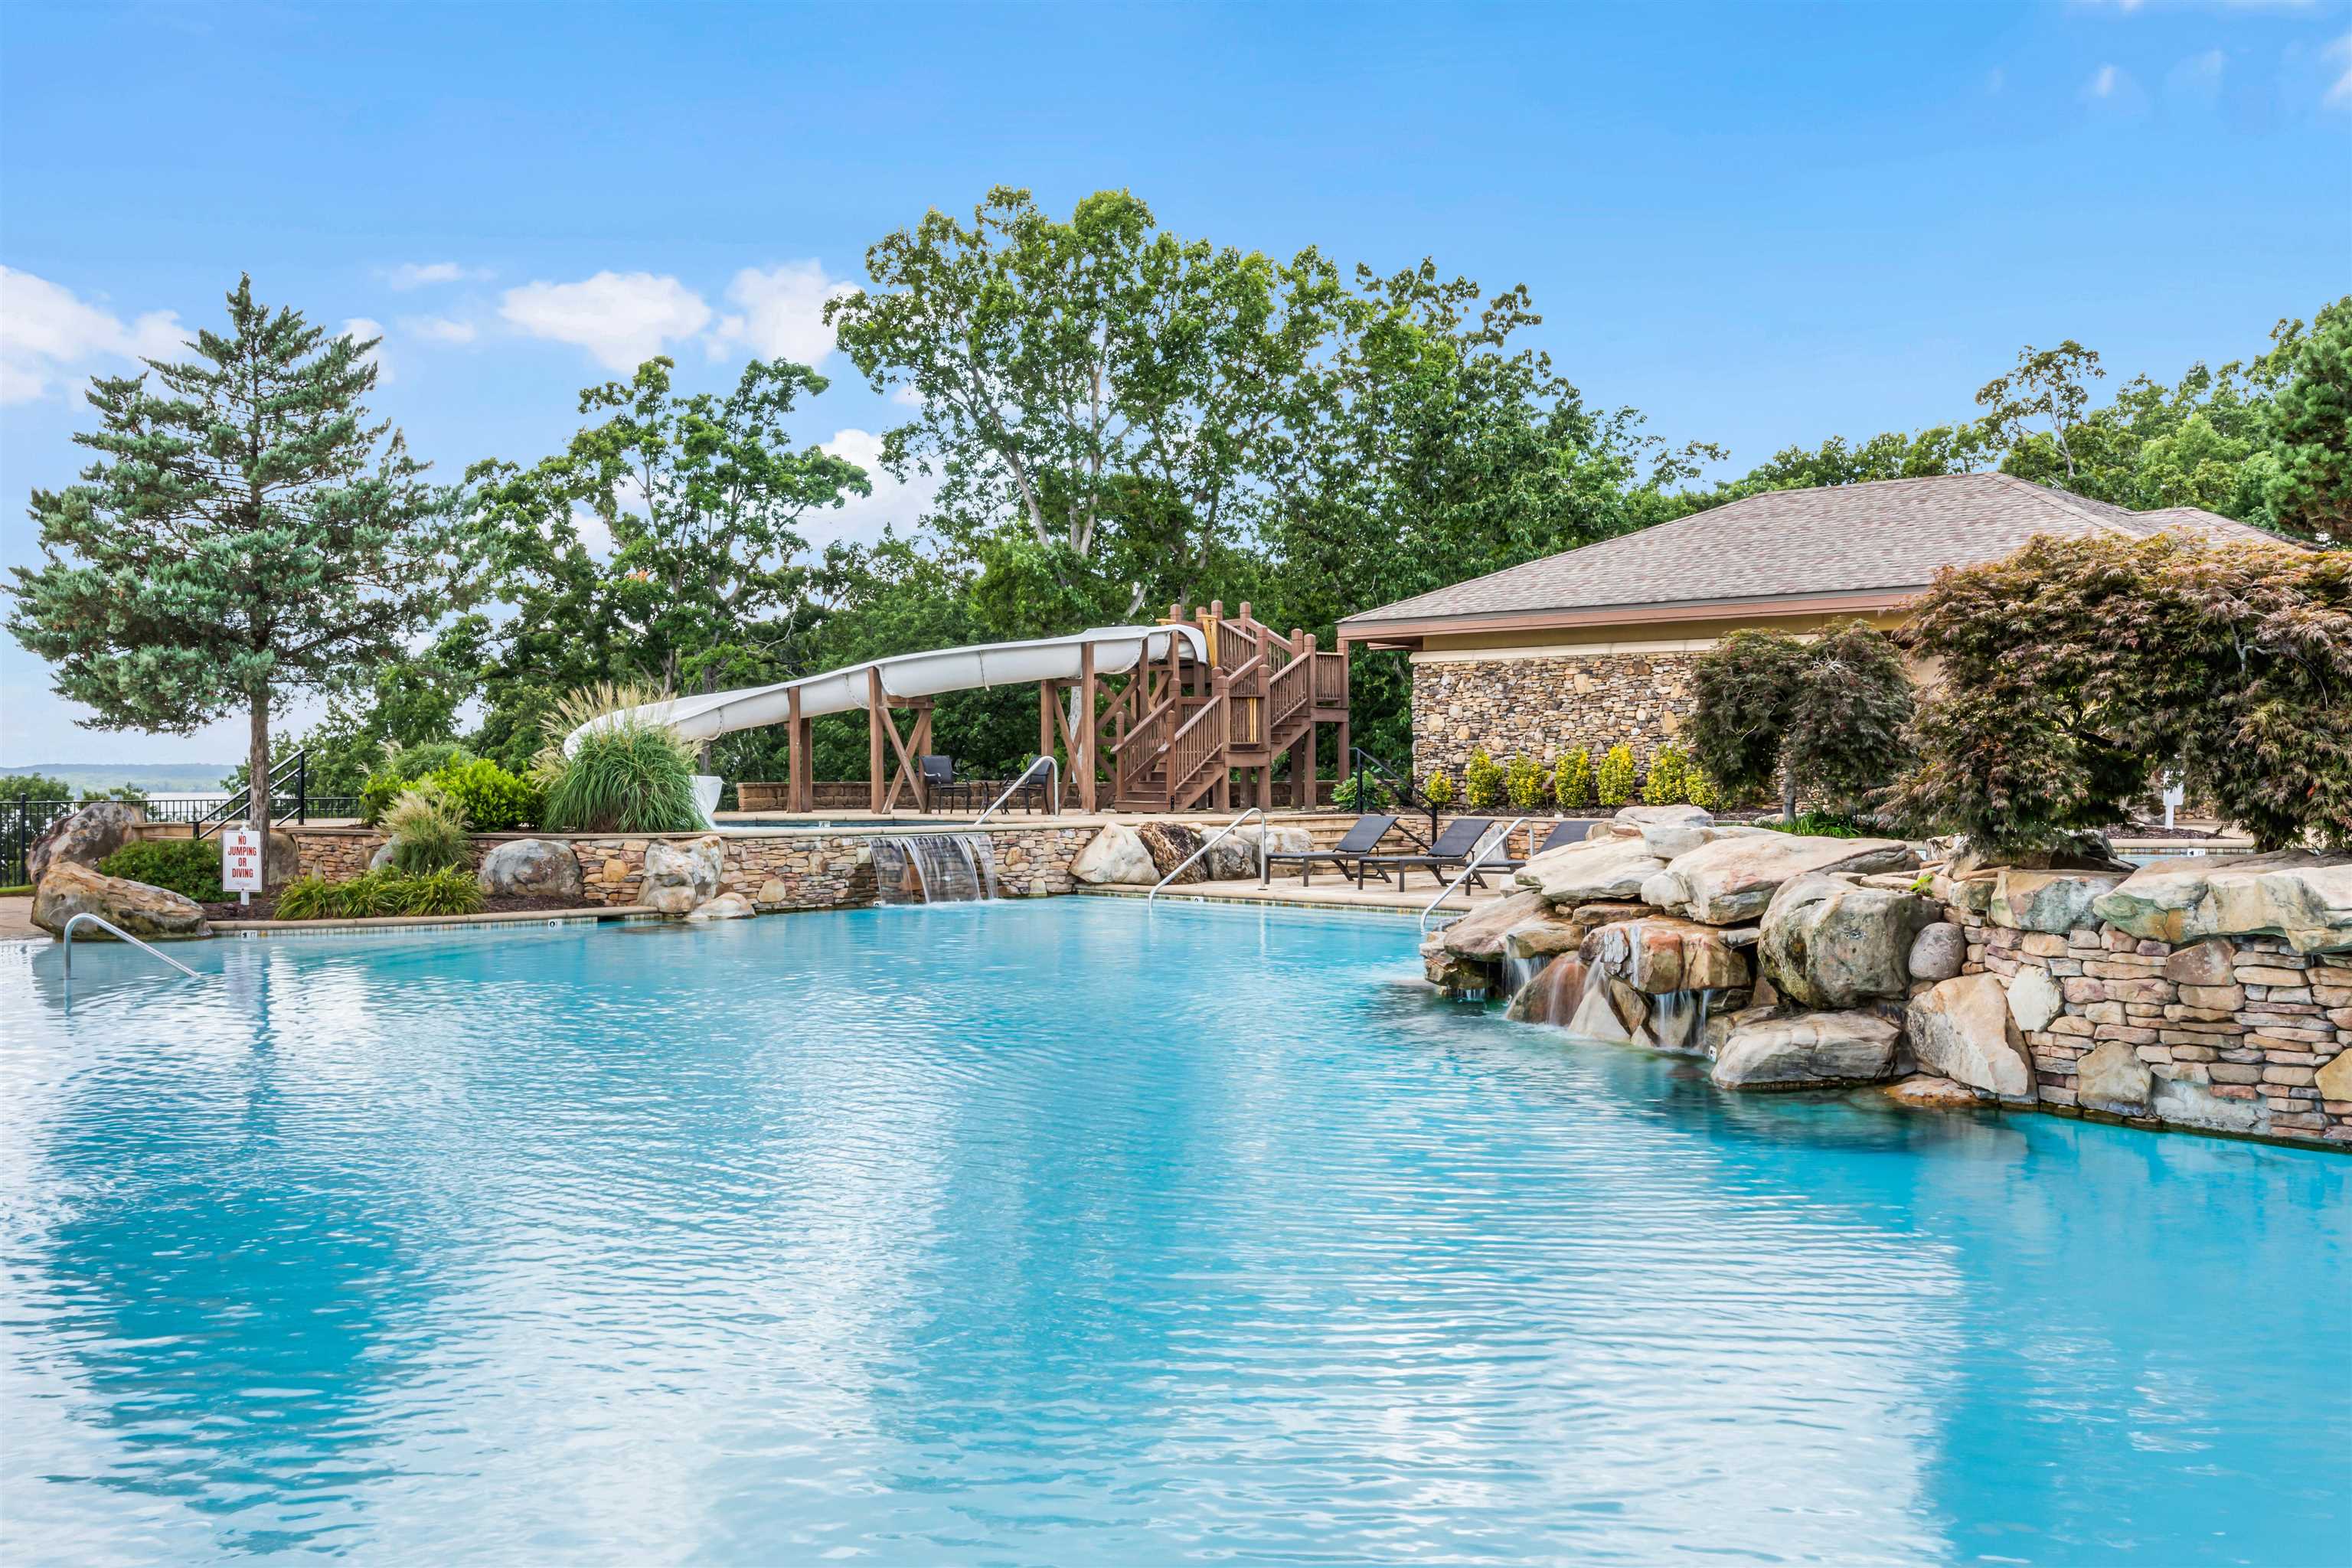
{"points": [[1821, 717]]}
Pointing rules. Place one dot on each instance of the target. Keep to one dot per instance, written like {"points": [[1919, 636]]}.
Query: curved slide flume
{"points": [[1116, 650]]}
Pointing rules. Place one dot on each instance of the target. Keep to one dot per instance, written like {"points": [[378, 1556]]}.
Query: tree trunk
{"points": [[1788, 791], [257, 776]]}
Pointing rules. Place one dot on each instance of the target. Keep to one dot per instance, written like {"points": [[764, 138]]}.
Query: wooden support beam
{"points": [[909, 774], [1044, 718], [1083, 731], [797, 768]]}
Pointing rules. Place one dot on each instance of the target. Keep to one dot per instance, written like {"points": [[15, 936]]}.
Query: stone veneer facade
{"points": [[782, 870], [2252, 1040], [1542, 707]]}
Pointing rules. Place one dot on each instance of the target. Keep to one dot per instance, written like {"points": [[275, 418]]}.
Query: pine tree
{"points": [[245, 533], [2311, 494]]}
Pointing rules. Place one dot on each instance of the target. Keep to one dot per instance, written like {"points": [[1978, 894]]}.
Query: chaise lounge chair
{"points": [[1361, 840], [1567, 831], [1451, 852]]}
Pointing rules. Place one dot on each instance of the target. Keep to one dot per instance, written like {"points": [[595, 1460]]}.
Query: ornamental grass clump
{"points": [[445, 892], [628, 773], [1614, 780], [427, 832]]}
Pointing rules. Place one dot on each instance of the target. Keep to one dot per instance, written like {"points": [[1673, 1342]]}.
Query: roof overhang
{"points": [[1410, 632]]}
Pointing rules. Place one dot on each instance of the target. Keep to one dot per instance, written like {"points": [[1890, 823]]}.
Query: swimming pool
{"points": [[1068, 1231]]}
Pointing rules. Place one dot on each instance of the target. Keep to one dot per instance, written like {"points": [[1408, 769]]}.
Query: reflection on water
{"points": [[1074, 1232]]}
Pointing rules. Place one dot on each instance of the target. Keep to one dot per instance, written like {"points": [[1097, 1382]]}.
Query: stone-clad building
{"points": [[1595, 646]]}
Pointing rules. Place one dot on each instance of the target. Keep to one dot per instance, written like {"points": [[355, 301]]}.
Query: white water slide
{"points": [[1116, 650]]}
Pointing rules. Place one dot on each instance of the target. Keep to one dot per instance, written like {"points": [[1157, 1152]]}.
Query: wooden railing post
{"points": [[875, 709]]}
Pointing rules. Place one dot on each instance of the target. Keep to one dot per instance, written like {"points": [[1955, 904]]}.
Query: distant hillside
{"points": [[155, 778]]}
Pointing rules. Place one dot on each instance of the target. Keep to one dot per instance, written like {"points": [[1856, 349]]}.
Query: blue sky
{"points": [[1758, 223]]}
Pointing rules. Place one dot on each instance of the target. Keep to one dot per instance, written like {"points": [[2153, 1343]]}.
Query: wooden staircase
{"points": [[1180, 734]]}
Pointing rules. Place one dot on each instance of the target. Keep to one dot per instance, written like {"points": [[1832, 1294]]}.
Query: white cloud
{"points": [[2339, 95], [781, 312], [2114, 90], [424, 274], [47, 333], [440, 328], [906, 394], [2198, 78], [358, 329], [2104, 82], [623, 318], [861, 518]]}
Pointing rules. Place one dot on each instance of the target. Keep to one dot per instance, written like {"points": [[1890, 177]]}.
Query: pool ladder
{"points": [[104, 924]]}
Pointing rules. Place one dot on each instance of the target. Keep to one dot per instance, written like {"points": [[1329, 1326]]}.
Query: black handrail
{"points": [[1359, 760], [240, 805]]}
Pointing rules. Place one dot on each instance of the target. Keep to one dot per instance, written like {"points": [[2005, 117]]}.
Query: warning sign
{"points": [[241, 851]]}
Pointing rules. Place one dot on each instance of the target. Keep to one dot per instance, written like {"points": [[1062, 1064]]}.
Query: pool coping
{"points": [[597, 913]]}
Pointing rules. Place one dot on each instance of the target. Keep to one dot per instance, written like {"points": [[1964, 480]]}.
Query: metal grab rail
{"points": [[1478, 859], [1047, 761], [1208, 843], [105, 924]]}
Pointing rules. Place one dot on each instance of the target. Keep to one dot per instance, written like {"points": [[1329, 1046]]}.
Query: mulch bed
{"points": [[492, 904]]}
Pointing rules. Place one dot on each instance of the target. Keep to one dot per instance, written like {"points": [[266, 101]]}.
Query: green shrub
{"points": [[629, 774], [1523, 782], [491, 799], [1379, 794], [188, 867], [1439, 790], [443, 892], [402, 766], [1703, 791], [1614, 780], [303, 898], [1482, 782], [427, 832], [1818, 825], [1669, 779], [1572, 780]]}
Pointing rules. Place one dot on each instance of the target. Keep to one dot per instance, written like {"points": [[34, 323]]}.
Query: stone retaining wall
{"points": [[783, 869], [1543, 708], [2241, 1026]]}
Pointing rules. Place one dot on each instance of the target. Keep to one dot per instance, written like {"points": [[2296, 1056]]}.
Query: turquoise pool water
{"points": [[1071, 1233]]}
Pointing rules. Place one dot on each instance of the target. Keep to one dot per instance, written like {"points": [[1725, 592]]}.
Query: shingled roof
{"points": [[1838, 542]]}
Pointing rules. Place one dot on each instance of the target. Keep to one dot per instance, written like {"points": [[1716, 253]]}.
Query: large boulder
{"points": [[1808, 1051], [532, 868], [2053, 902], [1668, 839], [725, 907], [70, 889], [2302, 897], [1731, 880], [1961, 1029], [1633, 819], [1170, 845], [2035, 998], [682, 878], [86, 837], [1480, 934], [1598, 868], [1234, 856], [1660, 956], [1609, 1009], [1551, 998], [2112, 1077], [2073, 852], [1116, 857], [1938, 951], [2193, 1104], [1829, 942]]}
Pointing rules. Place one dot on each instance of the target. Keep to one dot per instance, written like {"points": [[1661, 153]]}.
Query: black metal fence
{"points": [[24, 819]]}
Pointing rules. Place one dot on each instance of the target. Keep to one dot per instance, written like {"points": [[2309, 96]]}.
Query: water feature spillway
{"points": [[933, 869]]}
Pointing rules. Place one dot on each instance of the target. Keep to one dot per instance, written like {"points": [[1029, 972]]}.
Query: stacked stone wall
{"points": [[783, 871], [1546, 708], [2247, 1023]]}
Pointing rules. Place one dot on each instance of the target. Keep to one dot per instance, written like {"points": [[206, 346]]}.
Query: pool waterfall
{"points": [[933, 869]]}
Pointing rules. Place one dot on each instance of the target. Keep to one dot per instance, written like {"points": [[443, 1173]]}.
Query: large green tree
{"points": [[1821, 718], [700, 496], [245, 533], [1431, 444], [1100, 399]]}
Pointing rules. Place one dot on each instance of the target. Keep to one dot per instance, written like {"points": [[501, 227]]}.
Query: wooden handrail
{"points": [[1145, 725]]}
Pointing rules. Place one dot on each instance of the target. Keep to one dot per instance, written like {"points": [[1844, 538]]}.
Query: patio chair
{"points": [[1361, 840], [940, 786], [1452, 851], [1567, 831]]}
